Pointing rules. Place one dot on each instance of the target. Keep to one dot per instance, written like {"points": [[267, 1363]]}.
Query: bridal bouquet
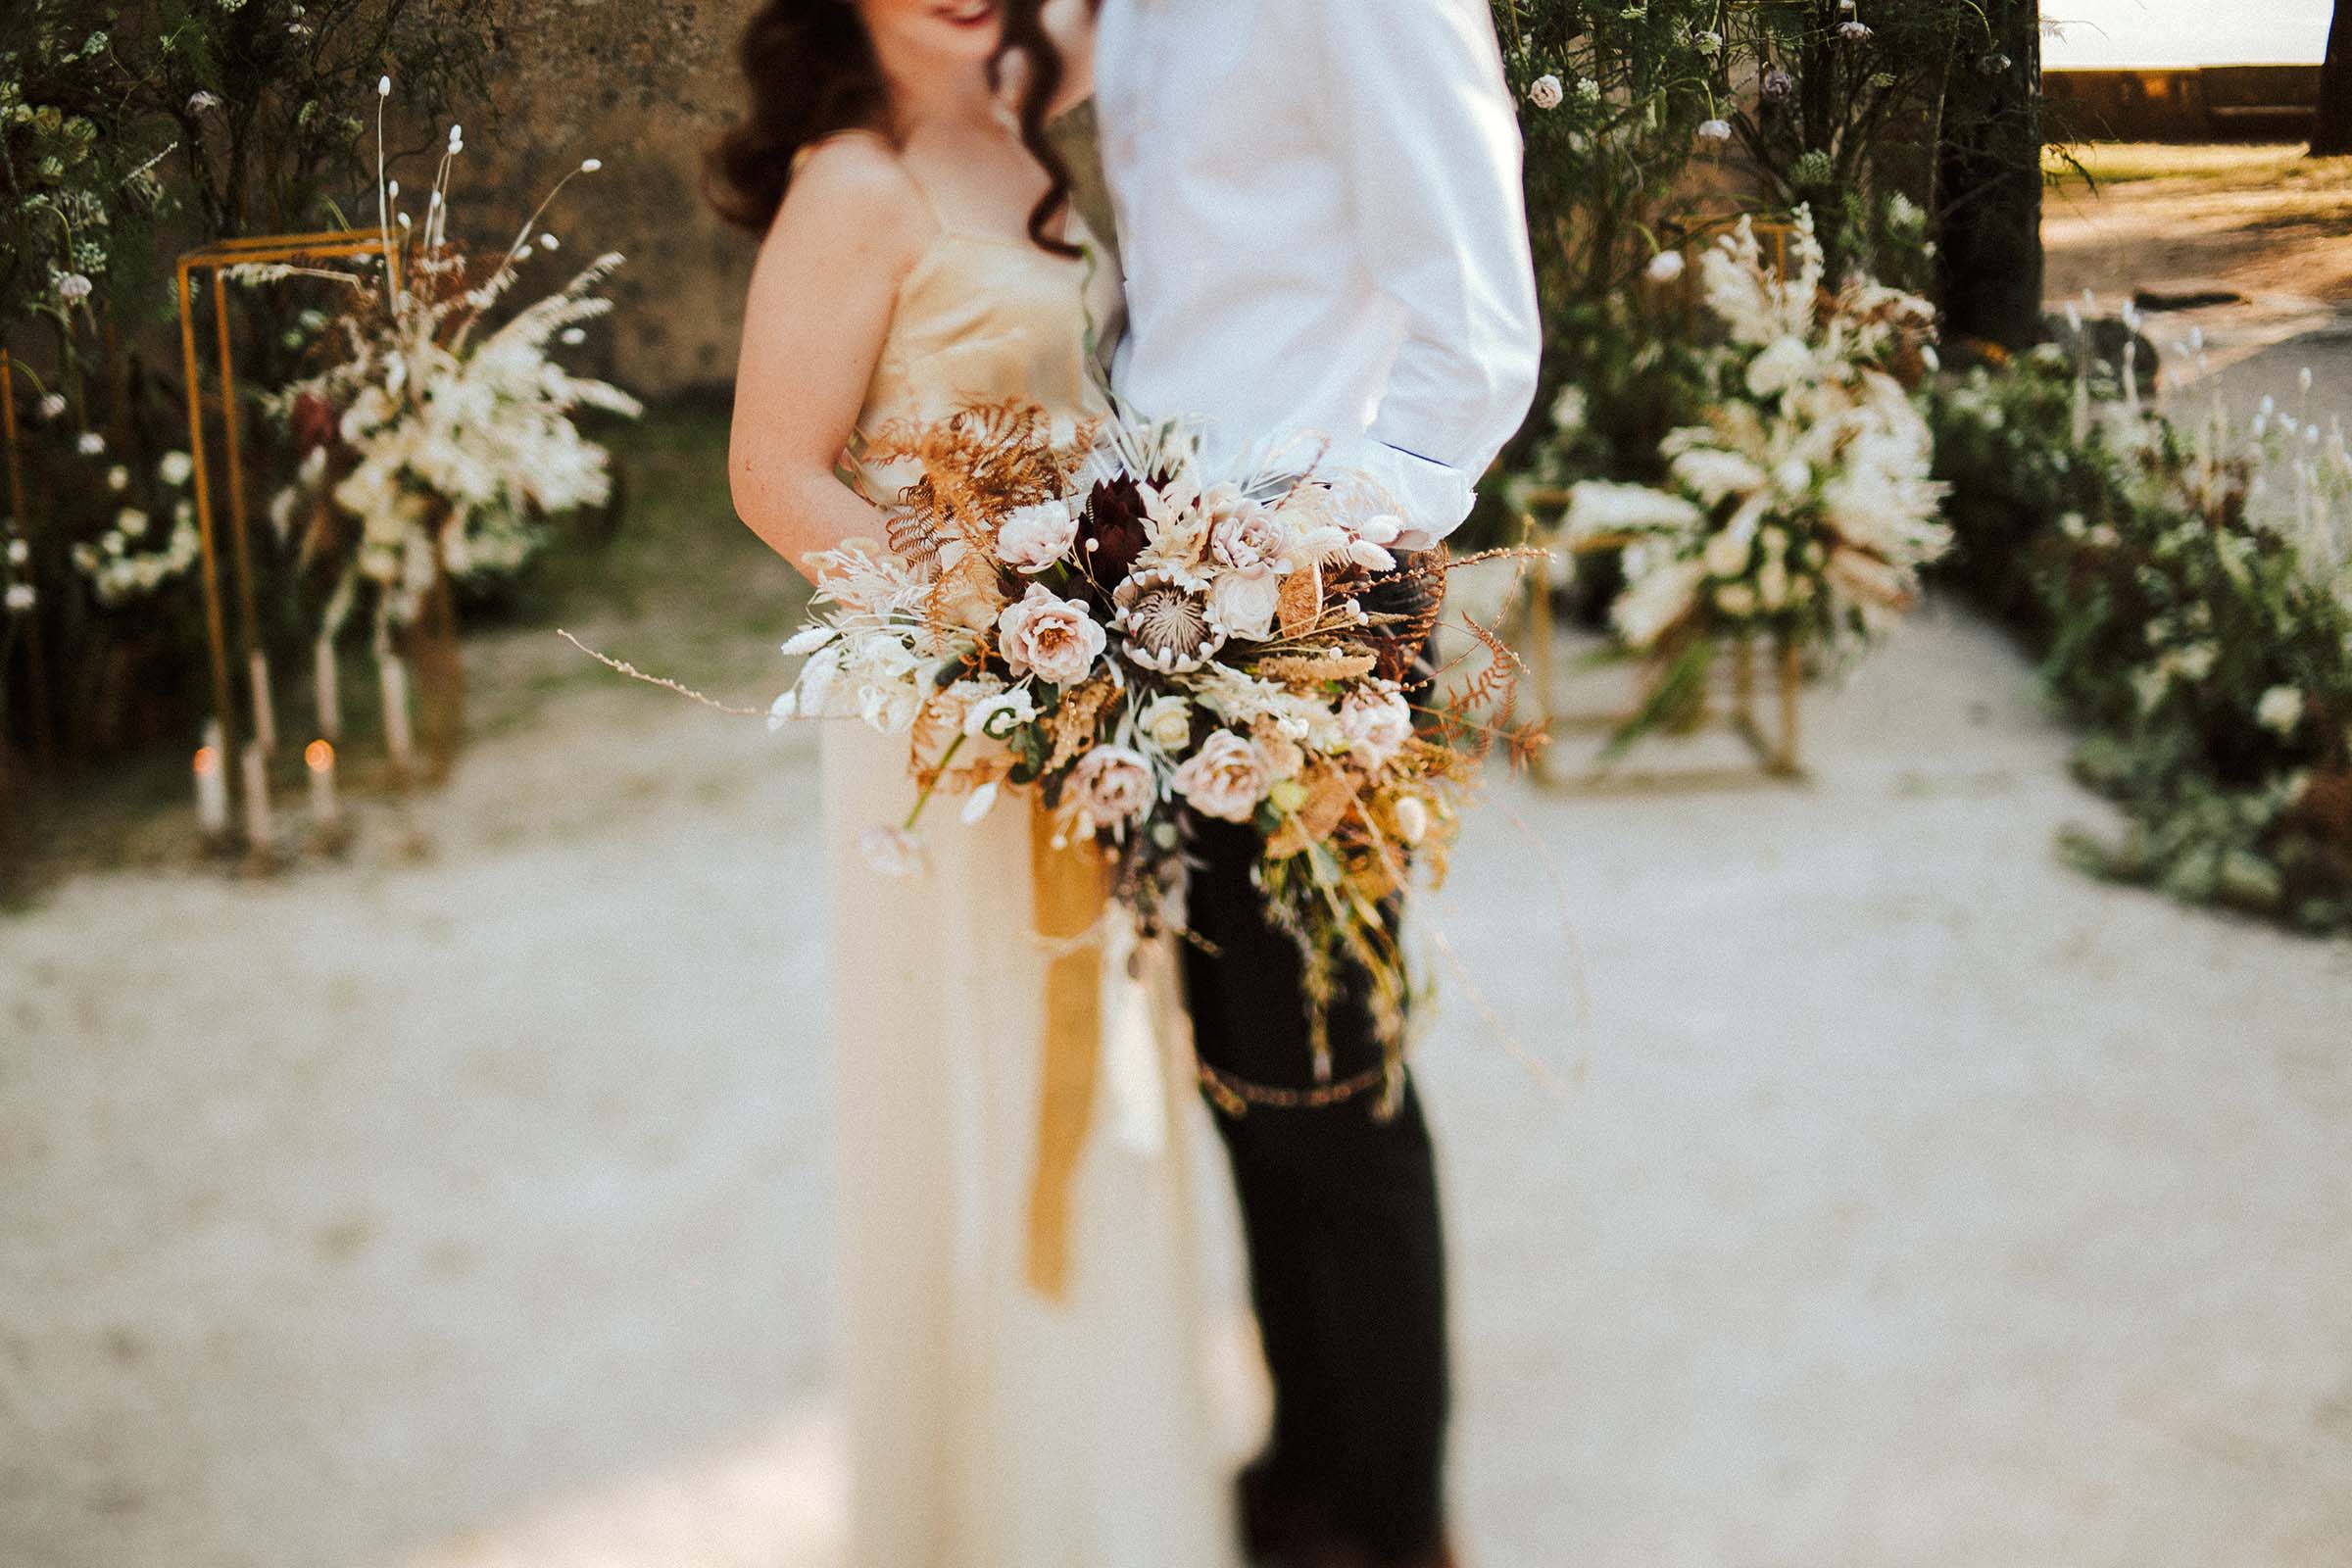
{"points": [[1088, 616]]}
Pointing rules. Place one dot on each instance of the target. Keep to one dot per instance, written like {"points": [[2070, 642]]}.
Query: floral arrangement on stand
{"points": [[1802, 508], [2189, 577], [1086, 615], [437, 443], [1649, 126]]}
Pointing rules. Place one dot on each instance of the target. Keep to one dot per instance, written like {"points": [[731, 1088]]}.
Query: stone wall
{"points": [[640, 84]]}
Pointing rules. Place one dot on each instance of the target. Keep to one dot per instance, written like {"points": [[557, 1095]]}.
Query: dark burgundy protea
{"points": [[1111, 533]]}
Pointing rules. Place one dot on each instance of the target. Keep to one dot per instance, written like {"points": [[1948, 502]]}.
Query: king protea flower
{"points": [[1167, 620]]}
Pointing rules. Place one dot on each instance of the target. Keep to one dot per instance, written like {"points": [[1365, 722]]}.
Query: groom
{"points": [[1320, 221]]}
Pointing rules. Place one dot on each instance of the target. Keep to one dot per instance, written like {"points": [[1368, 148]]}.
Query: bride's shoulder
{"points": [[851, 188]]}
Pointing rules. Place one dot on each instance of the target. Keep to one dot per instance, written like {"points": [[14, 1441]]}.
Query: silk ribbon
{"points": [[1070, 887]]}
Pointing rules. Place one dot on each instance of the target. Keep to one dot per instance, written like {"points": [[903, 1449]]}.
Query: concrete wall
{"points": [[2212, 103]]}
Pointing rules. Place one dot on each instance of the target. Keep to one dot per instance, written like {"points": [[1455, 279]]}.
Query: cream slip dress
{"points": [[994, 1425]]}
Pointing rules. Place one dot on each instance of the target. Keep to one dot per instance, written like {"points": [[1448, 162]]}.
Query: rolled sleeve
{"points": [[1413, 100]]}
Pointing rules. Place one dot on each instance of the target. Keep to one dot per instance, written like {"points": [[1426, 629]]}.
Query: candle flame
{"points": [[208, 761], [319, 757]]}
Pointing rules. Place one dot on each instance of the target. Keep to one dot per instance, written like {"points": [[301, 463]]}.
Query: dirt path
{"points": [[1917, 1201], [2265, 222]]}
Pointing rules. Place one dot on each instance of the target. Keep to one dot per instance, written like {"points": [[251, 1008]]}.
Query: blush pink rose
{"points": [[1111, 787], [1050, 636], [1226, 778]]}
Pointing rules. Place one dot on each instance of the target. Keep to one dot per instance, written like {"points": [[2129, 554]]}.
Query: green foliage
{"points": [[2193, 619], [77, 177], [1649, 126], [272, 101]]}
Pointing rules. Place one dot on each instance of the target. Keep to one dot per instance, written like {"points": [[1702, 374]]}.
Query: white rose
{"points": [[1111, 787], [1226, 778], [1051, 636], [1035, 537], [1167, 722], [1714, 130], [1376, 725], [1546, 92], [1243, 534], [1246, 602]]}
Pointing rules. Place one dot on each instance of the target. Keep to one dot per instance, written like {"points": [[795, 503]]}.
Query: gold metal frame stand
{"points": [[1777, 750], [252, 249]]}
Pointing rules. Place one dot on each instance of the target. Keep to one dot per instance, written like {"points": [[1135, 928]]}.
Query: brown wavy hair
{"points": [[811, 71]]}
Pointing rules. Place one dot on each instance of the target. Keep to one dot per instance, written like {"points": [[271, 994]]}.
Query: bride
{"points": [[1022, 1321]]}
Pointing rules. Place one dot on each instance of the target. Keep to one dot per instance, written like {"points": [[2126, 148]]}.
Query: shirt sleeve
{"points": [[1413, 101]]}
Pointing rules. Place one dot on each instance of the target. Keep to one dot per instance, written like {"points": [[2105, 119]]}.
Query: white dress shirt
{"points": [[1323, 236]]}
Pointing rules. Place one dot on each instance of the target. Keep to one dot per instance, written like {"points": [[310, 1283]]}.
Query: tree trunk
{"points": [[2331, 133], [1989, 262]]}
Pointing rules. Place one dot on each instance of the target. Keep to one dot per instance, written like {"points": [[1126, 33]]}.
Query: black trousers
{"points": [[1339, 1216]]}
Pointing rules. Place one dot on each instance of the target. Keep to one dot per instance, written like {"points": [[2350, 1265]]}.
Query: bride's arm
{"points": [[819, 311]]}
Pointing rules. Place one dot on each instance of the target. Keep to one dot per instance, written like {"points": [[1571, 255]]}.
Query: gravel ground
{"points": [[1902, 1197]]}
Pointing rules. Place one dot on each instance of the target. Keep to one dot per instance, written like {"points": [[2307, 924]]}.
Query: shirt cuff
{"points": [[1432, 498]]}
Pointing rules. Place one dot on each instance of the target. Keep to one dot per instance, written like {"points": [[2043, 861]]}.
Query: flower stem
{"points": [[924, 798]]}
